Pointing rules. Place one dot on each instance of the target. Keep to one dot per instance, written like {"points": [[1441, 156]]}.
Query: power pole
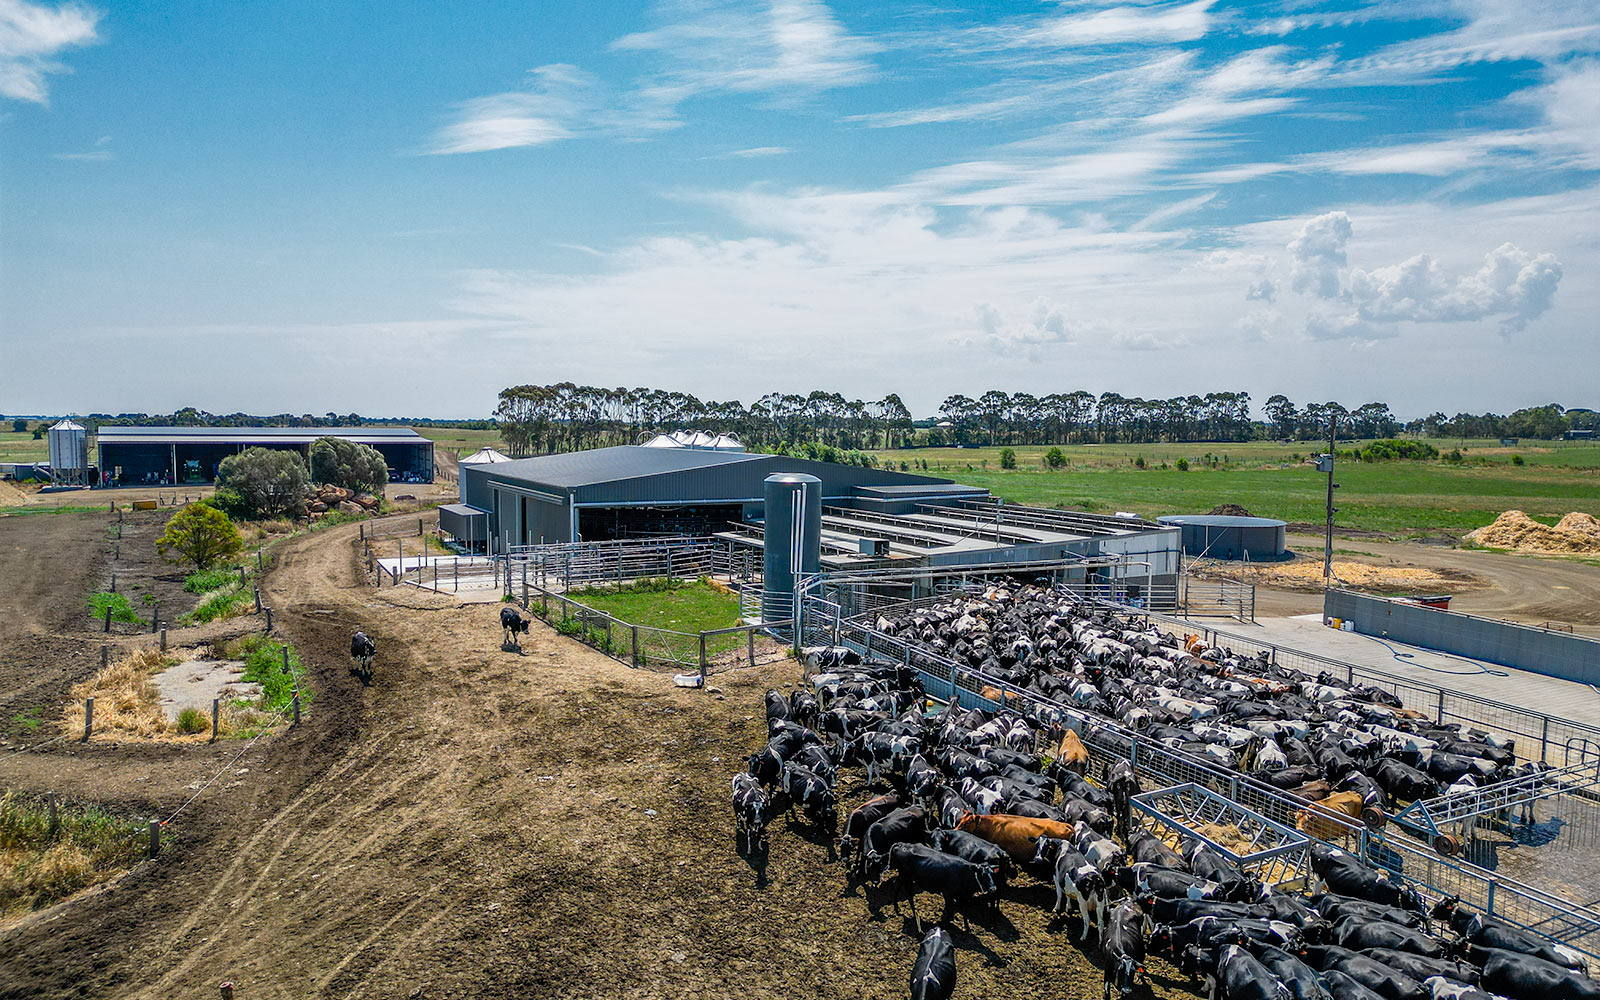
{"points": [[1327, 465]]}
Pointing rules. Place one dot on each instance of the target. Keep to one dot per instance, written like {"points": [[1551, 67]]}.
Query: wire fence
{"points": [[824, 623], [570, 565]]}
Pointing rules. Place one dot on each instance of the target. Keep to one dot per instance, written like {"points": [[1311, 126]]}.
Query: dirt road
{"points": [[1520, 588], [481, 823]]}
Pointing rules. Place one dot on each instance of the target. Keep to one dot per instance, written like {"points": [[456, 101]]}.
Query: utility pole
{"points": [[1325, 464]]}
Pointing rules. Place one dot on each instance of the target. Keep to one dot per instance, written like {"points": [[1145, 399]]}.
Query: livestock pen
{"points": [[1540, 909]]}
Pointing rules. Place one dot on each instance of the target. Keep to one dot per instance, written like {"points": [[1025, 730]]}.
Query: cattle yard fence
{"points": [[570, 565], [647, 647], [1547, 913]]}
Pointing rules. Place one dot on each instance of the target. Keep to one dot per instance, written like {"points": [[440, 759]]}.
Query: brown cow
{"points": [[1071, 754], [992, 693], [1319, 821], [1018, 836]]}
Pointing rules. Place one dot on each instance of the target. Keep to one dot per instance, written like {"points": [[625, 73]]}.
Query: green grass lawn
{"points": [[689, 607], [1400, 497], [462, 440]]}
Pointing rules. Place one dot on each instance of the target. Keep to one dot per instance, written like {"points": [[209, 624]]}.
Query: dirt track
{"points": [[476, 825]]}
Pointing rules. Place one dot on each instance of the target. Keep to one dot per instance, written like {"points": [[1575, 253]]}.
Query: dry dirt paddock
{"points": [[477, 824]]}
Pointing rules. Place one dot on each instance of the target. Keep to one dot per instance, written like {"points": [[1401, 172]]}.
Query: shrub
{"points": [[121, 608], [348, 464], [199, 534], [1055, 458], [1453, 456], [1139, 462], [271, 483], [19, 425], [230, 501], [1008, 458], [1183, 465], [263, 664], [1517, 460], [206, 580], [191, 721]]}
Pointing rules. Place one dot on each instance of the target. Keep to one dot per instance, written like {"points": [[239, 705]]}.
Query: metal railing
{"points": [[648, 647], [1219, 598], [581, 564]]}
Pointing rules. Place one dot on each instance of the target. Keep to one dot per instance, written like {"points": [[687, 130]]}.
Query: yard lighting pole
{"points": [[1325, 464]]}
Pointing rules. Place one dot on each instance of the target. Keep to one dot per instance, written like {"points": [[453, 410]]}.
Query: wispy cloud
{"points": [[546, 110], [99, 154], [755, 152], [31, 36]]}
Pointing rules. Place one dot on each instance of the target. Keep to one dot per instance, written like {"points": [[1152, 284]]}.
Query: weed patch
{"points": [[122, 609], [264, 664], [39, 866]]}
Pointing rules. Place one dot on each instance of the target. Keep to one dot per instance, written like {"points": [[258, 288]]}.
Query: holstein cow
{"points": [[933, 976], [923, 868], [1240, 976], [1075, 879], [362, 650], [512, 625], [1524, 977], [1475, 928], [751, 810], [858, 822], [1122, 947]]}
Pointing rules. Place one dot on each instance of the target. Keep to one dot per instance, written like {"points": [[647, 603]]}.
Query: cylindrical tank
{"points": [[793, 539], [1220, 536], [69, 452]]}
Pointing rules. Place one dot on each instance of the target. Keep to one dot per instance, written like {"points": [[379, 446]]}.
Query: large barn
{"points": [[869, 516], [630, 491], [136, 456]]}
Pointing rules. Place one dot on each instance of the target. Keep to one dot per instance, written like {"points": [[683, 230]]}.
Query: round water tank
{"points": [[1220, 536], [792, 539]]}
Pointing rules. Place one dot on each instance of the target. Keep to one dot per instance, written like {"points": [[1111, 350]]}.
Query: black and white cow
{"points": [[1075, 879], [751, 811], [922, 868], [933, 975], [1122, 947], [362, 652], [512, 625]]}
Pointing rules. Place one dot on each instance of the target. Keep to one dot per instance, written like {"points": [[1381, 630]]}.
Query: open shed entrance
{"points": [[604, 524]]}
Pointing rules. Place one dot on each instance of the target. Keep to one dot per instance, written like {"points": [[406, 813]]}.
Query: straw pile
{"points": [[1576, 533], [127, 702]]}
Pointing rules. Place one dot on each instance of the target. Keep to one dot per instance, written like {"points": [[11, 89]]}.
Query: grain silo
{"points": [[69, 454]]}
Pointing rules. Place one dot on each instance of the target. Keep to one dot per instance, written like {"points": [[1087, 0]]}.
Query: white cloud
{"points": [[31, 35], [1264, 290], [1317, 255], [1512, 284], [779, 47], [1335, 326], [761, 151], [1117, 26], [1494, 31], [555, 100], [1044, 323]]}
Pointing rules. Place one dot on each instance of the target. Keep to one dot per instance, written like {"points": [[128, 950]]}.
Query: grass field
{"points": [[688, 607], [462, 441], [1406, 498], [22, 447]]}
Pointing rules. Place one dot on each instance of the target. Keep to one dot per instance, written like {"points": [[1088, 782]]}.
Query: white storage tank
{"points": [[69, 453]]}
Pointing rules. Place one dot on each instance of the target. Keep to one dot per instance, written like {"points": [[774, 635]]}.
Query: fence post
{"points": [[105, 657], [1544, 742], [108, 618], [702, 660], [55, 816], [155, 837], [361, 531], [155, 620], [241, 577], [457, 585], [419, 527], [750, 639], [269, 619], [216, 717], [296, 707], [258, 598], [163, 640], [113, 583], [1439, 718], [88, 718], [635, 630]]}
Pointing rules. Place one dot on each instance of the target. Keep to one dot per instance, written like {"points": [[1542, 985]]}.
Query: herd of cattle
{"points": [[962, 801]]}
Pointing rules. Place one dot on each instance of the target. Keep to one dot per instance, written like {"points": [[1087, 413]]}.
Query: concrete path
{"points": [[1536, 692]]}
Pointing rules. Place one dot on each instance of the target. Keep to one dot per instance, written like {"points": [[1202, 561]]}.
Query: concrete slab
{"points": [[196, 683], [1536, 692]]}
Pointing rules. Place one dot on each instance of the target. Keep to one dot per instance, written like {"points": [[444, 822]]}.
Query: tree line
{"points": [[538, 419]]}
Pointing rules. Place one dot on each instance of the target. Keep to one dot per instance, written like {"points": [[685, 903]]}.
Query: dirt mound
{"points": [[1228, 510], [1576, 533], [1306, 575], [11, 494]]}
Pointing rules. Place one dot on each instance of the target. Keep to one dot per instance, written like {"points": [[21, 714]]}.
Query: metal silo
{"points": [[793, 539], [69, 453]]}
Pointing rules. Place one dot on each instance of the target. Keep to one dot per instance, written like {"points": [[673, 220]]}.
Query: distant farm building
{"points": [[133, 456]]}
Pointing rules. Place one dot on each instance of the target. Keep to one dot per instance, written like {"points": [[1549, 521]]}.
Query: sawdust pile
{"points": [[1306, 575], [1576, 533]]}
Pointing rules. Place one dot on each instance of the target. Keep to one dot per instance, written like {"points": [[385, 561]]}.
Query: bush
{"points": [[121, 608], [270, 483], [1008, 458], [206, 580], [1183, 465], [1391, 449], [191, 721], [199, 534], [1453, 456], [1138, 463], [1055, 458], [1517, 460], [19, 425], [263, 664], [231, 502], [348, 464]]}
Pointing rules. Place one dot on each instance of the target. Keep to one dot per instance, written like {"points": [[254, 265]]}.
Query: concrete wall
{"points": [[1556, 654]]}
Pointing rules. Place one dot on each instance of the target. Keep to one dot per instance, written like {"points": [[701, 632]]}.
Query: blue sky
{"points": [[403, 208]]}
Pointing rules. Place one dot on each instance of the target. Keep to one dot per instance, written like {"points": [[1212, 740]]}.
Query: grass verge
{"points": [[122, 609], [264, 664], [40, 865]]}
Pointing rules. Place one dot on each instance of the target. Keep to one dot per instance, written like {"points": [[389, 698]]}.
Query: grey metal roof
{"points": [[1221, 520], [920, 489], [463, 510], [610, 465], [237, 435]]}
